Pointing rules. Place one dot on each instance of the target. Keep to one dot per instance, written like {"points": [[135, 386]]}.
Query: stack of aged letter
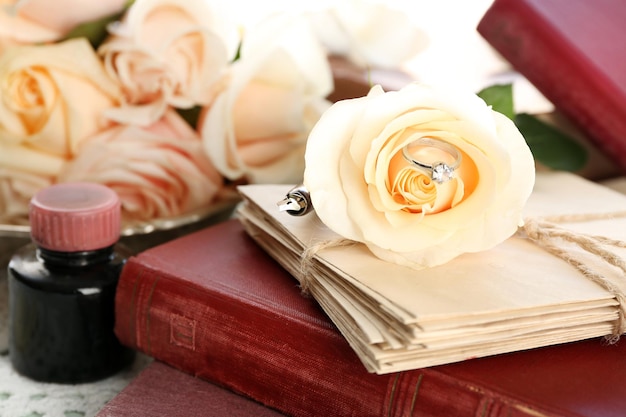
{"points": [[517, 296]]}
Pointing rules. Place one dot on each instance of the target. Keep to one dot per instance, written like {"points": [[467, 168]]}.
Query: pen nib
{"points": [[297, 202], [289, 204]]}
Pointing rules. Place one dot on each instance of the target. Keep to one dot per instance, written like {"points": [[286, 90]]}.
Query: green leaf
{"points": [[550, 146], [500, 98], [237, 53], [95, 31]]}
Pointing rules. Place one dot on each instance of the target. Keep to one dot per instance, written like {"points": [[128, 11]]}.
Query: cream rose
{"points": [[257, 127], [23, 172], [168, 52], [369, 33], [37, 21], [159, 171], [53, 96], [364, 189]]}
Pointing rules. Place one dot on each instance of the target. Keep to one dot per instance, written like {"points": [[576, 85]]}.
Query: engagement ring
{"points": [[438, 170]]}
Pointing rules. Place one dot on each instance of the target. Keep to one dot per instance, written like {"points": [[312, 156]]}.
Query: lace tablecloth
{"points": [[21, 397]]}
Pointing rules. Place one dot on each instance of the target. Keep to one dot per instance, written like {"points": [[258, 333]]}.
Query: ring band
{"points": [[439, 171]]}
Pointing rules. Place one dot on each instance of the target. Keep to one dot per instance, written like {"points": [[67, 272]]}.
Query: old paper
{"points": [[515, 296]]}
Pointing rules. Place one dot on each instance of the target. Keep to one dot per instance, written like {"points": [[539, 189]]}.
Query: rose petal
{"points": [[47, 13]]}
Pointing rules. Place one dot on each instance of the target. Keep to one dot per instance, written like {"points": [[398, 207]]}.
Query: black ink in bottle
{"points": [[62, 287]]}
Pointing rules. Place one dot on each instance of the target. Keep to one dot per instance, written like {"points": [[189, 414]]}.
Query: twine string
{"points": [[547, 234], [306, 260]]}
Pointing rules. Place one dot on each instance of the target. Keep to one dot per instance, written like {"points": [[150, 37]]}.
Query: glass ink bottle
{"points": [[62, 287]]}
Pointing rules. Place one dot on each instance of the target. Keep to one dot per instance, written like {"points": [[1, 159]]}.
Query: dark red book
{"points": [[163, 391], [574, 52], [213, 304]]}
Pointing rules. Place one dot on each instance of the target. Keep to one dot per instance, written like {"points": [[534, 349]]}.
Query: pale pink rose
{"points": [[257, 128], [53, 96], [168, 53], [37, 21], [158, 171], [23, 172]]}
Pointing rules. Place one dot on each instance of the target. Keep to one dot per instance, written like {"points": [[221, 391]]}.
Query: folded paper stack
{"points": [[516, 296]]}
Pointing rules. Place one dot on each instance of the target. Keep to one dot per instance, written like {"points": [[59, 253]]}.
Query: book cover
{"points": [[163, 391], [517, 295], [213, 304], [573, 53]]}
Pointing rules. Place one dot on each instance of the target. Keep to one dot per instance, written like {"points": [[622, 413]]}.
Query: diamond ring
{"points": [[439, 171]]}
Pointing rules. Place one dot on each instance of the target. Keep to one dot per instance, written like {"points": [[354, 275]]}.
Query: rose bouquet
{"points": [[167, 102]]}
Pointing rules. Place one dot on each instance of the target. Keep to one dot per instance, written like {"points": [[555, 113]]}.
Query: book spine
{"points": [[575, 84], [291, 365]]}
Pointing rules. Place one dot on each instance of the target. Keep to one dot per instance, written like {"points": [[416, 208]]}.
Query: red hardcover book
{"points": [[213, 304], [163, 391], [574, 52]]}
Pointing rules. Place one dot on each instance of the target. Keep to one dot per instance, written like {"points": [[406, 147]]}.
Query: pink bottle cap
{"points": [[75, 217]]}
